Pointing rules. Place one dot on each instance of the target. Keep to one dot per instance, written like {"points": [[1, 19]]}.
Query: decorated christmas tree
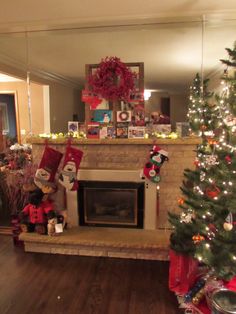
{"points": [[195, 105], [202, 116], [206, 226]]}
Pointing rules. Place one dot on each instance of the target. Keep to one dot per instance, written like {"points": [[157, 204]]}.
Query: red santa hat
{"points": [[159, 150]]}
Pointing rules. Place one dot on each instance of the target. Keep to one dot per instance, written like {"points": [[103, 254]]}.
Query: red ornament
{"points": [[113, 80], [228, 159], [181, 201], [196, 162], [212, 227], [212, 191]]}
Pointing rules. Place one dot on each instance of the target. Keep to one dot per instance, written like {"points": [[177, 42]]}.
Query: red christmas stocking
{"points": [[68, 175], [45, 174]]}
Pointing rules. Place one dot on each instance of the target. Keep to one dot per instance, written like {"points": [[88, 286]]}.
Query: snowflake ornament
{"points": [[186, 218], [211, 160], [202, 176]]}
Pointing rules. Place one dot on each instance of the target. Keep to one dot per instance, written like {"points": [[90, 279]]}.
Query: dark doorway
{"points": [[165, 106], [9, 116]]}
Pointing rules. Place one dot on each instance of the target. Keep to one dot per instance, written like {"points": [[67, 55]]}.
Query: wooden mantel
{"points": [[117, 141]]}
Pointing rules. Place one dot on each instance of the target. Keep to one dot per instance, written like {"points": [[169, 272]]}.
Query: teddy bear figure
{"points": [[35, 214]]}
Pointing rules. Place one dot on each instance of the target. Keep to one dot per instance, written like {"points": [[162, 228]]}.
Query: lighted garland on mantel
{"points": [[112, 80], [82, 135]]}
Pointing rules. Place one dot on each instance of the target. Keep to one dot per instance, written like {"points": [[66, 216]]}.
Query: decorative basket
{"points": [[223, 301]]}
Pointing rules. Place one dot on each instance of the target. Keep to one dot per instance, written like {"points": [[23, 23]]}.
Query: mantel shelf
{"points": [[117, 141]]}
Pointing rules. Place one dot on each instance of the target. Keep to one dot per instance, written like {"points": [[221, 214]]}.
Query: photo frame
{"points": [[136, 132], [123, 116], [102, 116], [122, 130], [93, 130], [73, 126]]}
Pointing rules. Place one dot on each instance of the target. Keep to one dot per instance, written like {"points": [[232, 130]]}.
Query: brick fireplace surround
{"points": [[121, 160]]}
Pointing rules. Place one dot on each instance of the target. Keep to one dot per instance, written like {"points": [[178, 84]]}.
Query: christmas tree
{"points": [[201, 116], [205, 228]]}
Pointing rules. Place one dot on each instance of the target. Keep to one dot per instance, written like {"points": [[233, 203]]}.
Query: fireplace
{"points": [[146, 192], [113, 204]]}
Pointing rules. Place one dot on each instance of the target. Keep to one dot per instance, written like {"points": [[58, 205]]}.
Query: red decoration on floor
{"points": [[182, 272], [16, 230]]}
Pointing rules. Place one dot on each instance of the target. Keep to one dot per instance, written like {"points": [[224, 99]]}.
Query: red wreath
{"points": [[113, 80]]}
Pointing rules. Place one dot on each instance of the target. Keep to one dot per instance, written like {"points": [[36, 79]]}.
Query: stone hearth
{"points": [[103, 242]]}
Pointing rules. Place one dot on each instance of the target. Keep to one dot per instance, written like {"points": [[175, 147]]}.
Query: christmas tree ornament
{"points": [[202, 176], [189, 184], [181, 201], [212, 227], [186, 217], [229, 120], [212, 191], [203, 127], [197, 238], [211, 160], [208, 148], [228, 224], [228, 159], [212, 141], [45, 174], [68, 174], [196, 162]]}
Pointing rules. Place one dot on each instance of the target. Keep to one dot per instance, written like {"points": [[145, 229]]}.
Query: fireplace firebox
{"points": [[113, 204]]}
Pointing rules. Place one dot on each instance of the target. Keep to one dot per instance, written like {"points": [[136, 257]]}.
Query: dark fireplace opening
{"points": [[113, 204]]}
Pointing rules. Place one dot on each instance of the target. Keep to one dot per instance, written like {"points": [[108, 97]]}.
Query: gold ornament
{"points": [[198, 297], [197, 238], [228, 226]]}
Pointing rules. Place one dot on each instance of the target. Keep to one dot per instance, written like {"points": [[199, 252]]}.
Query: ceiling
{"points": [[174, 39]]}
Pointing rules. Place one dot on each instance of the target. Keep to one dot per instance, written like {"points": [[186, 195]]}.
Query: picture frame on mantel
{"points": [[115, 106]]}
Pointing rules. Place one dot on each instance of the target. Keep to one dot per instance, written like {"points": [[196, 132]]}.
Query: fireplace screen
{"points": [[111, 203]]}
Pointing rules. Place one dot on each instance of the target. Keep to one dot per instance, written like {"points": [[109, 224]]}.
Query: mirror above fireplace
{"points": [[172, 50]]}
